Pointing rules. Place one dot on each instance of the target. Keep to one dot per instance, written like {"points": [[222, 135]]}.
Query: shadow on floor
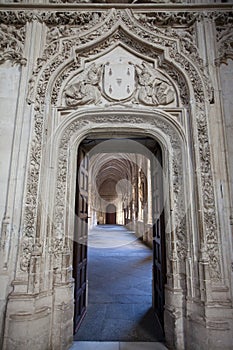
{"points": [[141, 327]]}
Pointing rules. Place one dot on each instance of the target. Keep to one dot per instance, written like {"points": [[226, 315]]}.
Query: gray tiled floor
{"points": [[84, 345], [120, 291]]}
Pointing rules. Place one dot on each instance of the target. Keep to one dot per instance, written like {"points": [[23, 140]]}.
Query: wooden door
{"points": [[111, 214], [159, 258], [80, 239]]}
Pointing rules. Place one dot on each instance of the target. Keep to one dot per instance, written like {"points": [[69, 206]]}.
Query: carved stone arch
{"points": [[161, 126], [92, 59], [41, 296], [57, 222], [133, 44], [133, 36], [180, 68]]}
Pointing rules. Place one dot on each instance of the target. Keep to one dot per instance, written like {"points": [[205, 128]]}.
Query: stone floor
{"points": [[119, 312], [82, 345]]}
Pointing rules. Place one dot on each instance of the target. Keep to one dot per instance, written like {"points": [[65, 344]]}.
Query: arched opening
{"points": [[111, 214], [120, 181]]}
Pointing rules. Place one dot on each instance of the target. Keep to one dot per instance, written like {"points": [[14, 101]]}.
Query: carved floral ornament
{"points": [[12, 44], [146, 43], [224, 30]]}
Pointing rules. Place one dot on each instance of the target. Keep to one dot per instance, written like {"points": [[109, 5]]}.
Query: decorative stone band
{"points": [[29, 242]]}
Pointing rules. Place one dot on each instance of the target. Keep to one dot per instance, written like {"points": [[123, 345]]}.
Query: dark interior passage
{"points": [[119, 288]]}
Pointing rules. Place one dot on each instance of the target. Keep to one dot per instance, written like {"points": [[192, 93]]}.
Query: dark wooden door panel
{"points": [[111, 218], [111, 214], [159, 259], [80, 240]]}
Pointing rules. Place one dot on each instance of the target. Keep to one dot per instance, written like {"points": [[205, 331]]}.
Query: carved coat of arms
{"points": [[119, 80]]}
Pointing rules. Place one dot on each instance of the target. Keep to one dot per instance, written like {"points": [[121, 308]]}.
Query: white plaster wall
{"points": [[9, 89], [9, 85]]}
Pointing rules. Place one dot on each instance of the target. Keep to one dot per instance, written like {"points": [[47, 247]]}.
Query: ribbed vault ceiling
{"points": [[116, 159]]}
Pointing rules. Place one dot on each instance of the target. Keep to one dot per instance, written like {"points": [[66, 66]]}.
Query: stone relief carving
{"points": [[222, 18], [184, 32], [11, 44], [51, 18], [73, 25], [68, 44], [194, 72], [30, 211], [121, 81], [181, 242], [178, 184], [224, 29], [180, 81], [208, 196], [153, 88], [225, 47], [168, 19], [85, 91]]}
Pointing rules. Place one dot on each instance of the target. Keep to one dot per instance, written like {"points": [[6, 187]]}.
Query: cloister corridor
{"points": [[118, 265], [119, 309]]}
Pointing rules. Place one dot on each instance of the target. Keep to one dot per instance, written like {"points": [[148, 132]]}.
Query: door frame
{"points": [[167, 132], [80, 243], [158, 226]]}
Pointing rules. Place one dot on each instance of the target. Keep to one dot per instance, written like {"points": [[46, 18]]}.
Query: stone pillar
{"points": [[28, 310]]}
